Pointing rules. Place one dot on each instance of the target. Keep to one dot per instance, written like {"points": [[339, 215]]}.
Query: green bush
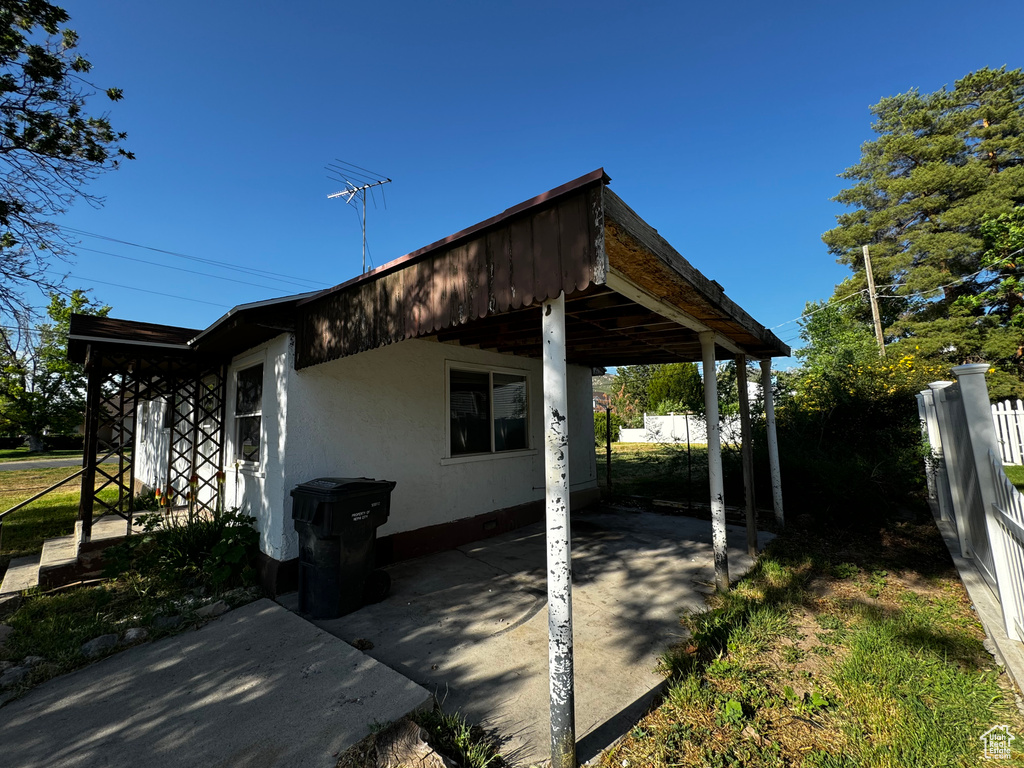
{"points": [[601, 427]]}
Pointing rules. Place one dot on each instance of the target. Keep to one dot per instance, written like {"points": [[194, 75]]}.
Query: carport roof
{"points": [[630, 297]]}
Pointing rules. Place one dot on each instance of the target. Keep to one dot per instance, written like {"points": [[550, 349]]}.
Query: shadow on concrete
{"points": [[259, 686], [470, 624]]}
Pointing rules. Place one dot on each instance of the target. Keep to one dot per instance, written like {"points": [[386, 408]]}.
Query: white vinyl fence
{"points": [[680, 428], [974, 496], [1008, 417]]}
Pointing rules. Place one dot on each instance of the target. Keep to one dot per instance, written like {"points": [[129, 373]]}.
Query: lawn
{"points": [[1016, 475], [670, 472], [53, 515], [836, 650]]}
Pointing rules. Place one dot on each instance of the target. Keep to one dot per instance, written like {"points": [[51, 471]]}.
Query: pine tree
{"points": [[942, 166]]}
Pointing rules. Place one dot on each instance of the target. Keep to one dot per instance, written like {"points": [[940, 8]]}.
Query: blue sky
{"points": [[723, 125]]}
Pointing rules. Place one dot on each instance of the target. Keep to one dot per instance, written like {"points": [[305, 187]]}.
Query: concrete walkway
{"points": [[69, 461], [257, 687], [471, 624]]}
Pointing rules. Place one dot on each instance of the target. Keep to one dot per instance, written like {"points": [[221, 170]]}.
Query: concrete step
{"points": [[22, 574], [59, 561]]}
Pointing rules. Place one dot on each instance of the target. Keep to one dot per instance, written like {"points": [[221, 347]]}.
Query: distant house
{"points": [[426, 371]]}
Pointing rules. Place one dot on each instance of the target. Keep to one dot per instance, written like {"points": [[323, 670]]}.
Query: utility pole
{"points": [[874, 302]]}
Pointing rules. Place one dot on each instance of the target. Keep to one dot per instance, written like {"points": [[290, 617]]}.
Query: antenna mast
{"points": [[356, 180]]}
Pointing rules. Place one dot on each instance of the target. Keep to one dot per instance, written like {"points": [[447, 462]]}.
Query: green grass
{"points": [[23, 454], [53, 515], [1016, 475], [835, 651], [668, 472]]}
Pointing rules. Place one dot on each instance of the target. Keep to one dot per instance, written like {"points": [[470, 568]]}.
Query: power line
{"points": [[179, 269], [146, 290], [826, 305], [221, 264]]}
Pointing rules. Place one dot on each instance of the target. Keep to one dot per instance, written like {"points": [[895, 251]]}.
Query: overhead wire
{"points": [[298, 281], [147, 290], [179, 269]]}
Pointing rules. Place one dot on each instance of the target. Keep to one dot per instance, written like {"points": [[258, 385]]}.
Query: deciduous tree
{"points": [[51, 144], [41, 391]]}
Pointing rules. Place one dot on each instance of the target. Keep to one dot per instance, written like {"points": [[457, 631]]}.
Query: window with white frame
{"points": [[488, 412], [248, 413]]}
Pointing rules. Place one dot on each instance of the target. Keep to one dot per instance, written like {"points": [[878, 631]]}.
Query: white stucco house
{"points": [[426, 371]]}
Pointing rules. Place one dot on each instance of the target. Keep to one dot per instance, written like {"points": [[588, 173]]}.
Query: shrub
{"points": [[601, 427]]}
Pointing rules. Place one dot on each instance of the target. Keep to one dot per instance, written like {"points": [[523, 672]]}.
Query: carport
{"points": [[572, 276], [575, 276]]}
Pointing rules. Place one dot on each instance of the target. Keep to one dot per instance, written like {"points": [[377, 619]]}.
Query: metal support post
{"points": [[559, 562], [773, 440], [747, 453], [718, 540], [608, 445]]}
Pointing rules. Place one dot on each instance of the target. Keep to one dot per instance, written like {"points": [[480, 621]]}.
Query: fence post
{"points": [[952, 455], [929, 464], [938, 460], [983, 440]]}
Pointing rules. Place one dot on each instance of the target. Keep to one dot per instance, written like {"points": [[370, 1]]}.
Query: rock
{"points": [[213, 609], [5, 665], [98, 646], [32, 661], [404, 743], [135, 635], [362, 644], [161, 623], [5, 632], [13, 676]]}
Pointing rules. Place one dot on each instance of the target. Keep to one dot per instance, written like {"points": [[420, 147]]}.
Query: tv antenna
{"points": [[357, 181]]}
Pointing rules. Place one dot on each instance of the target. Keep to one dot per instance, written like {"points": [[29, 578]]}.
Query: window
{"points": [[488, 412], [248, 411]]}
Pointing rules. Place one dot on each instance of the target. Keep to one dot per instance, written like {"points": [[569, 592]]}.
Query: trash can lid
{"points": [[340, 486]]}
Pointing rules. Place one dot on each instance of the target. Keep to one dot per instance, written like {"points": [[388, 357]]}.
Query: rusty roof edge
{"points": [[594, 177], [729, 306]]}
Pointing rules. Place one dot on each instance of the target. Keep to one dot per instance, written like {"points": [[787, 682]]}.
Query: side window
{"points": [[248, 413], [488, 412]]}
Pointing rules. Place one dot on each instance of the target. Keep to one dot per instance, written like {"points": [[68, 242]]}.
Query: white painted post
{"points": [[718, 540], [559, 559], [983, 440], [773, 440], [747, 453], [952, 455]]}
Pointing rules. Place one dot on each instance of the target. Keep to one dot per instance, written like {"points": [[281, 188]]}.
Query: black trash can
{"points": [[337, 520]]}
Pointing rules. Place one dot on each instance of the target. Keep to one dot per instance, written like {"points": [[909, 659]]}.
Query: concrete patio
{"points": [[470, 624]]}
